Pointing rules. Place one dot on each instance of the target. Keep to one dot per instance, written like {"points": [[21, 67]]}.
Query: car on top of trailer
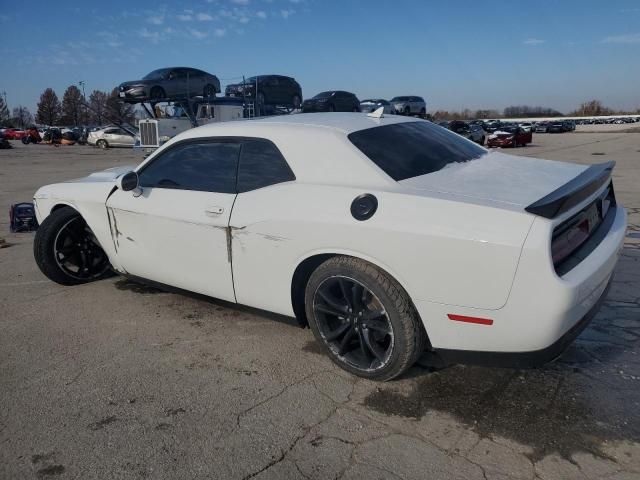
{"points": [[169, 83]]}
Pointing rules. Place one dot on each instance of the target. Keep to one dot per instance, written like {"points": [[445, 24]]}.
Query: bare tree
{"points": [[4, 111], [72, 109], [592, 108], [49, 108], [119, 110], [22, 117], [98, 107]]}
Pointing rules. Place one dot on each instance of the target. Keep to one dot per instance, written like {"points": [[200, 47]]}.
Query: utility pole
{"points": [[81, 83]]}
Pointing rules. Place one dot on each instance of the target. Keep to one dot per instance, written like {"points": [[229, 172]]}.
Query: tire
{"points": [[209, 91], [102, 144], [26, 140], [48, 258], [405, 333], [157, 93]]}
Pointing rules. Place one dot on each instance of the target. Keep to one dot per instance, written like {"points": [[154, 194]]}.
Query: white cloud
{"points": [[220, 32], [287, 13], [156, 19], [184, 17], [533, 41], [204, 17], [261, 14], [243, 19], [240, 2], [627, 38], [154, 37], [198, 33]]}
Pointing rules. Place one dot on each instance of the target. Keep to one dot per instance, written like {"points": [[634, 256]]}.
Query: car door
{"points": [[197, 81], [260, 247], [176, 231], [122, 138], [176, 84], [273, 91]]}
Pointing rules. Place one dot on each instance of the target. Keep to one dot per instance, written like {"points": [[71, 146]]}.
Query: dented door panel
{"points": [[175, 237]]}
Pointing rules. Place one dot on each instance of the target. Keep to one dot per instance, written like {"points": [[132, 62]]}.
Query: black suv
{"points": [[276, 90], [332, 101]]}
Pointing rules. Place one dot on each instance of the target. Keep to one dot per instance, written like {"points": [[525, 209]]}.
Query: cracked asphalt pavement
{"points": [[122, 381]]}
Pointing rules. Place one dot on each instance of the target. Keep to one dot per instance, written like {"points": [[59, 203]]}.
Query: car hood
{"points": [[108, 175], [497, 179]]}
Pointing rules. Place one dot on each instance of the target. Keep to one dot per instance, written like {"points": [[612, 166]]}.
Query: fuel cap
{"points": [[364, 206]]}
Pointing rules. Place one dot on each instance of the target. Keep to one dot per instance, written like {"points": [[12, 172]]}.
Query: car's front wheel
{"points": [[67, 251], [364, 318], [102, 144]]}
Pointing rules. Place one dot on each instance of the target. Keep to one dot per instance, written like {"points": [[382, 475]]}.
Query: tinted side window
{"points": [[261, 165], [411, 149], [205, 167]]}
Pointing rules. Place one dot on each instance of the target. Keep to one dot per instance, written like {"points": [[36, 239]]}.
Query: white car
{"points": [[111, 136], [387, 236]]}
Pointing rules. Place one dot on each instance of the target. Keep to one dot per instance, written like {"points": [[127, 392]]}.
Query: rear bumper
{"points": [[531, 359], [543, 309]]}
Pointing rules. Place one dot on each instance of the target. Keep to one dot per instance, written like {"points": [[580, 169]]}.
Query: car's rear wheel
{"points": [[209, 91], [67, 251], [157, 93], [102, 144], [364, 318]]}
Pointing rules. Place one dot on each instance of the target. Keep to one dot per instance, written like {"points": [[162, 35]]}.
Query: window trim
{"points": [[225, 139]]}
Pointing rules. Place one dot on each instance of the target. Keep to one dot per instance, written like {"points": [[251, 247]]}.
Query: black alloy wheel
{"points": [[363, 318], [67, 251], [353, 323]]}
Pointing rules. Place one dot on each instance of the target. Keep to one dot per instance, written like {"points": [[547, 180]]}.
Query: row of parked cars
{"points": [[502, 135]]}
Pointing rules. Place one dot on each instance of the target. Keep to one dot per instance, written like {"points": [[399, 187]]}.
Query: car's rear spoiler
{"points": [[573, 192]]}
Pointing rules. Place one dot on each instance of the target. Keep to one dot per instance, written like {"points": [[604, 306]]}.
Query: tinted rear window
{"points": [[411, 149]]}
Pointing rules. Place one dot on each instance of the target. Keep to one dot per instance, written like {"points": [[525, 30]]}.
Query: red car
{"points": [[14, 134], [509, 136]]}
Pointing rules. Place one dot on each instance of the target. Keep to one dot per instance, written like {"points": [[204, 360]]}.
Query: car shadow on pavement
{"points": [[586, 398]]}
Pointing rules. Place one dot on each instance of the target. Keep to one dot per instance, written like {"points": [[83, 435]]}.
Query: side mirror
{"points": [[128, 181]]}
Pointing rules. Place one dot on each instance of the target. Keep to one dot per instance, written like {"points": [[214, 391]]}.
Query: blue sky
{"points": [[463, 54]]}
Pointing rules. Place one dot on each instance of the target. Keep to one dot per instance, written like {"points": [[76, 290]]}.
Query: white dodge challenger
{"points": [[387, 236]]}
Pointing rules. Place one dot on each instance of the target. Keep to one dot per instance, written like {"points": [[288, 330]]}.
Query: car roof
{"points": [[343, 122]]}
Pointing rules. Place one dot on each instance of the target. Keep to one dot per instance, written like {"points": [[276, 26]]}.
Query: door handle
{"points": [[214, 210]]}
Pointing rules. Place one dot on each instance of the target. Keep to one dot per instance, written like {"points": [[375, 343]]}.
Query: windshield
{"points": [[324, 94], [156, 74], [411, 149], [509, 128]]}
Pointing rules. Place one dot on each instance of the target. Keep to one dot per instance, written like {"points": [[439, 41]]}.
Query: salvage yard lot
{"points": [[118, 380]]}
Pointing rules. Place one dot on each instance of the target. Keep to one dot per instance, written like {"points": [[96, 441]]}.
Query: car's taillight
{"points": [[572, 233], [565, 243]]}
